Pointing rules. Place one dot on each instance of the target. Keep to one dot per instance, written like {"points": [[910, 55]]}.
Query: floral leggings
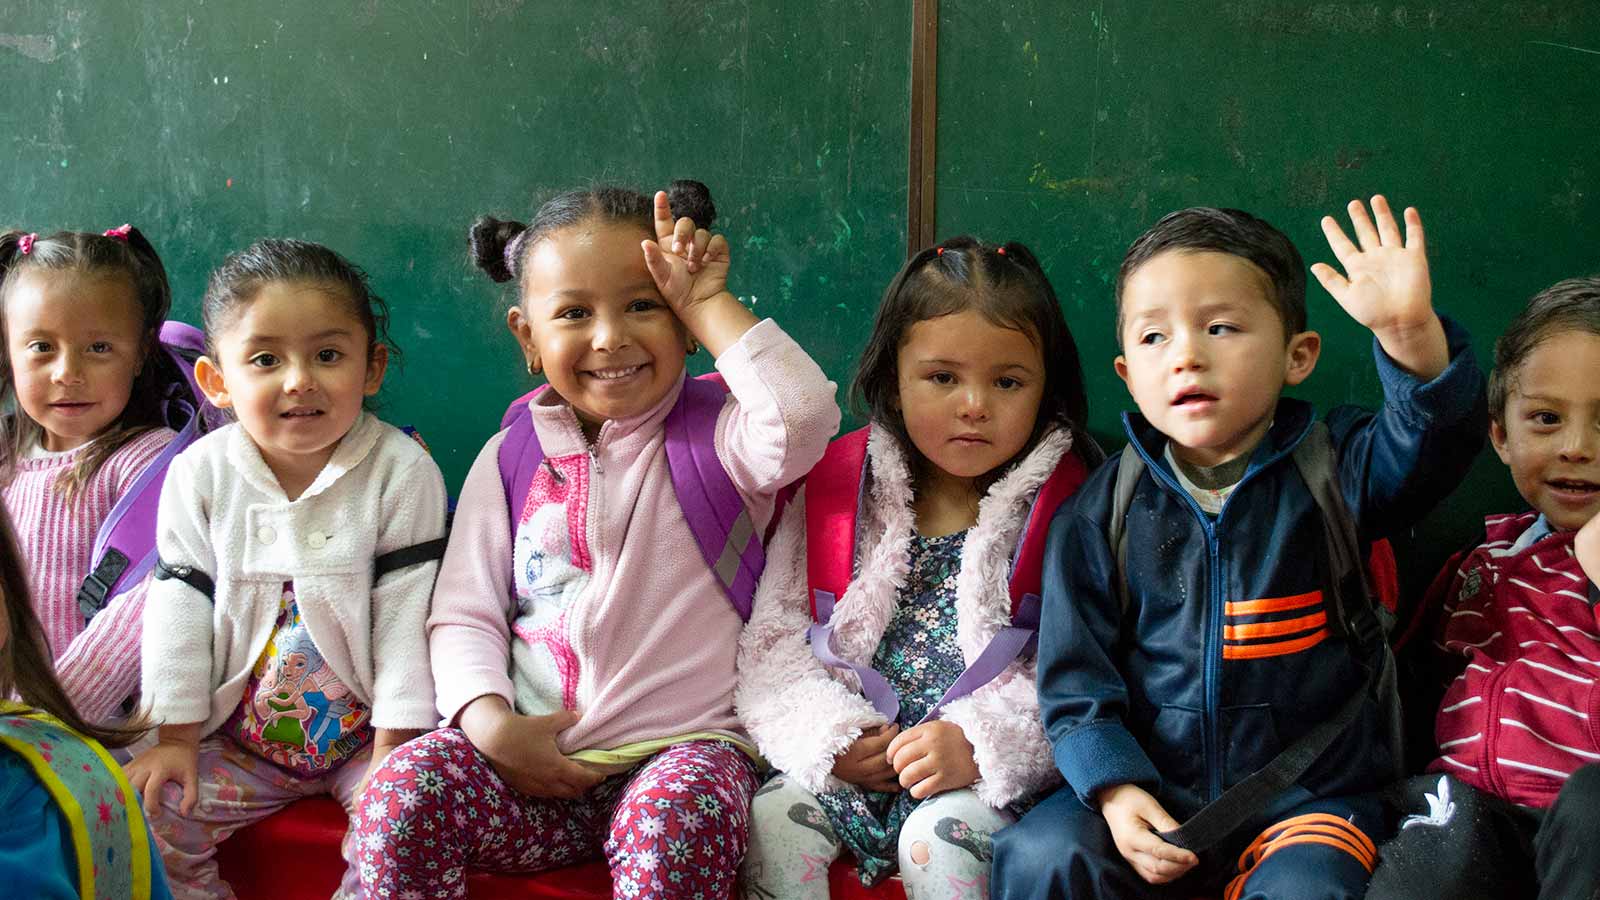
{"points": [[676, 826]]}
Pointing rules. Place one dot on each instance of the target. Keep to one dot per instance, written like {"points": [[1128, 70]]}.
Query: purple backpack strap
{"points": [[877, 689], [711, 503], [125, 545], [520, 457]]}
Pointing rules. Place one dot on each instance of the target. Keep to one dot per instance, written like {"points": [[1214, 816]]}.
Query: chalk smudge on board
{"points": [[1566, 47], [37, 47]]}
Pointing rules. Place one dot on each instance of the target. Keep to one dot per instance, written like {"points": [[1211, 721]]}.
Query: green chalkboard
{"points": [[383, 127], [1074, 126]]}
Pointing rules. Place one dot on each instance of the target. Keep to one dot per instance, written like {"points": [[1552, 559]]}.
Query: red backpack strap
{"points": [[833, 500], [1028, 564], [1384, 575]]}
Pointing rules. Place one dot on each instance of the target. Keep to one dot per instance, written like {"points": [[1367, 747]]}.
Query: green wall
{"points": [[383, 128]]}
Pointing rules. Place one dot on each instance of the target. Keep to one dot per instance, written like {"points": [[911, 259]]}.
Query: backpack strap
{"points": [[520, 456], [833, 502], [839, 482], [711, 503], [189, 575], [125, 545], [406, 557], [1130, 466]]}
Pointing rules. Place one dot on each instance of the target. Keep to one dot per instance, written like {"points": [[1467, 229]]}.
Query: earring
{"points": [[534, 368], [694, 347]]}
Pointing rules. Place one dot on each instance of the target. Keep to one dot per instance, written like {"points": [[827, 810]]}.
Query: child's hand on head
{"points": [[689, 264], [865, 763], [175, 758], [1134, 817], [932, 758], [1385, 285], [1587, 547]]}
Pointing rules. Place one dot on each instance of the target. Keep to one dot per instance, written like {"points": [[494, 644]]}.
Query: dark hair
{"points": [[25, 666], [1004, 284], [499, 247], [131, 256], [1571, 305], [235, 283], [1231, 231]]}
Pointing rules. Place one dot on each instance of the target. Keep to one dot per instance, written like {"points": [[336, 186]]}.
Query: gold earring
{"points": [[534, 368]]}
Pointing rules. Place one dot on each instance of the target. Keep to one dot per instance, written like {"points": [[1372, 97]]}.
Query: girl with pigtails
{"points": [[584, 628]]}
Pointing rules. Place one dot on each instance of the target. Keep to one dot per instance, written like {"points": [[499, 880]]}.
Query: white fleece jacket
{"points": [[803, 714], [223, 513]]}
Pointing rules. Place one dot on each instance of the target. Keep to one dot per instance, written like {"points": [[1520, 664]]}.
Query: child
{"points": [[69, 823], [80, 386], [1515, 798], [1237, 624], [972, 379], [583, 648], [284, 649]]}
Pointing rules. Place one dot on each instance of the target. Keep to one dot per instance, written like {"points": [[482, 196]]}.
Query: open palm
{"points": [[1385, 284]]}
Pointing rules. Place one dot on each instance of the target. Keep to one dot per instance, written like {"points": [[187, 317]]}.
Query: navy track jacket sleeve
{"points": [[1082, 696]]}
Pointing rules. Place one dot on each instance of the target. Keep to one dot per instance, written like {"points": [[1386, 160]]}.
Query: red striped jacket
{"points": [[1525, 711]]}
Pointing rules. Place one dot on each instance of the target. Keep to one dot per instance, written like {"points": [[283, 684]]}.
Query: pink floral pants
{"points": [[676, 826]]}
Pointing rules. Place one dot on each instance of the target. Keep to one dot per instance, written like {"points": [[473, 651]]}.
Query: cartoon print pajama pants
{"points": [[238, 787], [945, 846], [675, 826]]}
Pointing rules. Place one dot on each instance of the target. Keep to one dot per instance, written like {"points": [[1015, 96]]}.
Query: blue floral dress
{"points": [[921, 659]]}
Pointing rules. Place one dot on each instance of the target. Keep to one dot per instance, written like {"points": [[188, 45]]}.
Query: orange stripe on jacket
{"points": [[1275, 648], [1272, 604], [1274, 629]]}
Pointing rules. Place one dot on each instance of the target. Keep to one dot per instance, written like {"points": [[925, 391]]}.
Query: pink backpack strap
{"points": [[833, 501]]}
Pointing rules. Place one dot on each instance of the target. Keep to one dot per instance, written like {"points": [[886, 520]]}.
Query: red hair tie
{"points": [[120, 233], [1000, 250], [25, 243], [939, 252]]}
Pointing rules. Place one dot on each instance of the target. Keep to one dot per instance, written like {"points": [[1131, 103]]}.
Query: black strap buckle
{"points": [[189, 575], [97, 586]]}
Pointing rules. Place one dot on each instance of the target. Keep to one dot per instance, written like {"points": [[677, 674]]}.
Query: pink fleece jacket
{"points": [[602, 602]]}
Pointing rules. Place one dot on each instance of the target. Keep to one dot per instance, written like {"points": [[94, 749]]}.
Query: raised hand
{"points": [[689, 264], [1385, 284]]}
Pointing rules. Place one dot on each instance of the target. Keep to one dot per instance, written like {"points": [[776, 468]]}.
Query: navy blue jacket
{"points": [[1180, 695]]}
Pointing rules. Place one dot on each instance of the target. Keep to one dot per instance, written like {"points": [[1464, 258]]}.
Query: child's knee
{"points": [[954, 831]]}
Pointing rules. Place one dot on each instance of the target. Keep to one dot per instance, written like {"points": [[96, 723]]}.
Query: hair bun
{"points": [[489, 239], [693, 199]]}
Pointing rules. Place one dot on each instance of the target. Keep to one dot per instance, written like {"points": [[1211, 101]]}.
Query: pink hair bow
{"points": [[120, 232], [25, 243]]}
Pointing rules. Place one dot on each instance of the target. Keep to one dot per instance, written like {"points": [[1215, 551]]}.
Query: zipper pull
{"points": [[595, 459]]}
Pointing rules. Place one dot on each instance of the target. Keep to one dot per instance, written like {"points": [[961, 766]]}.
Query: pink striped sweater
{"points": [[98, 666], [1524, 714]]}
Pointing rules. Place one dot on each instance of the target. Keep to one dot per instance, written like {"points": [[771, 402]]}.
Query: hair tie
{"points": [[25, 243], [120, 233], [941, 251], [1000, 250]]}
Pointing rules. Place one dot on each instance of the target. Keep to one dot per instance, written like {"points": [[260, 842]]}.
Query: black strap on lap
{"points": [[405, 557]]}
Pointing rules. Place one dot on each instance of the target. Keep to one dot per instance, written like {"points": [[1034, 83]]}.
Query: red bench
{"points": [[294, 855]]}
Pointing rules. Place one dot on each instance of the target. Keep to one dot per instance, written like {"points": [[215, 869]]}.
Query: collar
{"points": [[1538, 531], [561, 434], [245, 458], [1291, 420]]}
